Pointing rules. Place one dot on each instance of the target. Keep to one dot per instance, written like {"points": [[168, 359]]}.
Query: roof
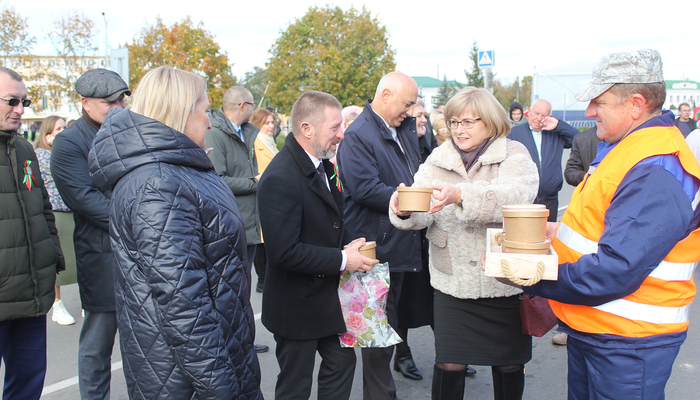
{"points": [[426, 81], [682, 84]]}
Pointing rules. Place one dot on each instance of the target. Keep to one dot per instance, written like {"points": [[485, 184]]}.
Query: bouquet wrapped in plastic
{"points": [[363, 297]]}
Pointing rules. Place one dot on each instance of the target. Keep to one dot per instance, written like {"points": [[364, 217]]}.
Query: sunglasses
{"points": [[15, 102]]}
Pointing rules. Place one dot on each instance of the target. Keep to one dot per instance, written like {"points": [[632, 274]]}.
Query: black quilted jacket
{"points": [[182, 291]]}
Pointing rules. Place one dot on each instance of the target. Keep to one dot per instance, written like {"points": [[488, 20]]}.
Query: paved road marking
{"points": [[74, 380]]}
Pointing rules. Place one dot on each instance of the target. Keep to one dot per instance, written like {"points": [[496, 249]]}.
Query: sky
{"points": [[429, 38]]}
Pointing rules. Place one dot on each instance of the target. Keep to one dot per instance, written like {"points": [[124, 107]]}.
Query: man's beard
{"points": [[322, 153]]}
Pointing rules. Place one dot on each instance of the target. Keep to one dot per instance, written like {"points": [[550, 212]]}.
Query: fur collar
{"points": [[447, 157]]}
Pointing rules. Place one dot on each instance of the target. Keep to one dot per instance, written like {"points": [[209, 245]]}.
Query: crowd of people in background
{"points": [[161, 211]]}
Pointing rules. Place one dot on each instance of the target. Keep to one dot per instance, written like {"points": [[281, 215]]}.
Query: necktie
{"points": [[322, 171], [241, 135]]}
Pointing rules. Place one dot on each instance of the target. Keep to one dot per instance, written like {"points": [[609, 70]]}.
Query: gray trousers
{"points": [[95, 354]]}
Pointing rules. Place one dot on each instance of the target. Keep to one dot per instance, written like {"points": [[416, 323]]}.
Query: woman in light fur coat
{"points": [[477, 319]]}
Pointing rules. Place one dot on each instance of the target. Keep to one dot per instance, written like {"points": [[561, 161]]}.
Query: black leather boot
{"points": [[448, 385], [403, 362], [508, 382]]}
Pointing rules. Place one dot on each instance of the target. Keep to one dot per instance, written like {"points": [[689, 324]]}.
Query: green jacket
{"points": [[31, 252], [235, 162]]}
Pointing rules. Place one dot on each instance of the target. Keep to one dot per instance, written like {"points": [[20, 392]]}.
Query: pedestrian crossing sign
{"points": [[486, 58]]}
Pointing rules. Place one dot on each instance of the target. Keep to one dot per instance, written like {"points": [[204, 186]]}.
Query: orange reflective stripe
{"points": [[657, 291]]}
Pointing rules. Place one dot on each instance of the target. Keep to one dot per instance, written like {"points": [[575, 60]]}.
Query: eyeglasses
{"points": [[15, 102], [247, 102], [466, 123]]}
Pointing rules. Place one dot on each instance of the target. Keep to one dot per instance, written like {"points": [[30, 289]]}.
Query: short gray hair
{"points": [[12, 74], [654, 93]]}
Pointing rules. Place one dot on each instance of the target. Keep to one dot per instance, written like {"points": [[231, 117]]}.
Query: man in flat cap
{"points": [[100, 90], [629, 240]]}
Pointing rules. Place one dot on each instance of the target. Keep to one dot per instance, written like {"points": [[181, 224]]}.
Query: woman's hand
{"points": [[394, 204], [551, 230], [447, 194]]}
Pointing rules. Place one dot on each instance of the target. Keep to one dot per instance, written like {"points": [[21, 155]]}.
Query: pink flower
{"points": [[352, 285], [356, 324], [348, 339], [379, 312], [355, 305], [380, 290]]}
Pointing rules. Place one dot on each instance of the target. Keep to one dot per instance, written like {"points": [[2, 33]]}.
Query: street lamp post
{"points": [[106, 45]]}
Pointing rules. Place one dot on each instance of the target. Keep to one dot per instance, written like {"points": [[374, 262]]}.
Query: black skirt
{"points": [[480, 331]]}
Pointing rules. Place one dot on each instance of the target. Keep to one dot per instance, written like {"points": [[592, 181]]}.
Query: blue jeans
{"points": [[23, 350], [95, 354]]}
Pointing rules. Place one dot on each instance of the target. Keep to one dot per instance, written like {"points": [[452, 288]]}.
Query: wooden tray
{"points": [[523, 266]]}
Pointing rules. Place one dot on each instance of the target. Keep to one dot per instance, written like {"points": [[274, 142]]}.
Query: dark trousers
{"points": [[598, 373], [377, 379], [553, 207], [296, 359], [95, 354], [23, 350], [260, 262]]}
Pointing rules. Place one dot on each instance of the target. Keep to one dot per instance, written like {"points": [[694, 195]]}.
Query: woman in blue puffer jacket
{"points": [[186, 325]]}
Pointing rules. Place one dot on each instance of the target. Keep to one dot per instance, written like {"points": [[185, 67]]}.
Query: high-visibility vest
{"points": [[662, 303]]}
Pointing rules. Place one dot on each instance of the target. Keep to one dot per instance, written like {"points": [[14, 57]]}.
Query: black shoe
{"points": [[470, 371], [261, 348], [259, 287], [403, 362]]}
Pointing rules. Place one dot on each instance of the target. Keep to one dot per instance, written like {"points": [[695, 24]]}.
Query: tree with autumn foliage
{"points": [[15, 39], [344, 53], [184, 46]]}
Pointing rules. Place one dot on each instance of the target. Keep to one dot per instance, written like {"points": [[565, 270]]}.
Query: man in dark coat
{"points": [[583, 152], [380, 151], [231, 140], [545, 138], [100, 90], [302, 217], [31, 252]]}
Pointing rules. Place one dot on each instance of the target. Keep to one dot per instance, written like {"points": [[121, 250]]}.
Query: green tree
{"points": [[344, 53], [507, 94], [256, 81], [73, 40], [445, 91], [185, 46], [475, 77], [15, 39]]}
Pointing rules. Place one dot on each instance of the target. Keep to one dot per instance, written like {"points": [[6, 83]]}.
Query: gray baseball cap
{"points": [[101, 83], [641, 66]]}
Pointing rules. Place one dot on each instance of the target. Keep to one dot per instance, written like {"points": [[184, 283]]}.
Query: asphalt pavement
{"points": [[545, 374]]}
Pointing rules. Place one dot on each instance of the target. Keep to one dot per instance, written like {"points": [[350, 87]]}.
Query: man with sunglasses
{"points": [[231, 143], [99, 91], [31, 252], [545, 138]]}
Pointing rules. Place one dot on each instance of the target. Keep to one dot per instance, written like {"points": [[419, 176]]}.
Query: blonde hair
{"points": [[480, 102], [168, 95], [47, 126]]}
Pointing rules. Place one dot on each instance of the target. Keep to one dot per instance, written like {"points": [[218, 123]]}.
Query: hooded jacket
{"points": [[236, 164], [31, 252], [182, 291]]}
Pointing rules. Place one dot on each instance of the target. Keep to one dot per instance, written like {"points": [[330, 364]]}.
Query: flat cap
{"points": [[101, 83], [641, 66]]}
